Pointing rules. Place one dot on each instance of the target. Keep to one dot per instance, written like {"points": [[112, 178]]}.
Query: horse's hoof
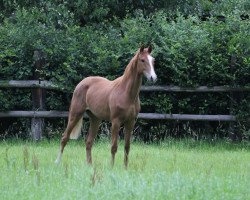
{"points": [[57, 162], [58, 159]]}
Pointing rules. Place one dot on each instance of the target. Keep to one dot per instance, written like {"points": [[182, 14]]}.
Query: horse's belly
{"points": [[100, 112], [97, 102]]}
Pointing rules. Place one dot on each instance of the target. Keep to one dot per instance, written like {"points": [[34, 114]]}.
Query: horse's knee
{"points": [[127, 148], [88, 145], [114, 149], [64, 139]]}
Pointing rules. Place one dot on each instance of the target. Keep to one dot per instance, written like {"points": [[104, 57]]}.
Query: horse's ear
{"points": [[150, 48], [142, 48]]}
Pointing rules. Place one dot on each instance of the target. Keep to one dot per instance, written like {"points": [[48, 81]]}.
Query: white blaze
{"points": [[151, 74]]}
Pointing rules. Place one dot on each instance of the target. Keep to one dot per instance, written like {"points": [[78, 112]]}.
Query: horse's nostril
{"points": [[151, 78]]}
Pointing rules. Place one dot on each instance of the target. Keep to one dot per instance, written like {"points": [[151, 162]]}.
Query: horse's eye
{"points": [[142, 60]]}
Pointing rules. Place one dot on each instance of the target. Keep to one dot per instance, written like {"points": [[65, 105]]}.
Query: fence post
{"points": [[38, 96]]}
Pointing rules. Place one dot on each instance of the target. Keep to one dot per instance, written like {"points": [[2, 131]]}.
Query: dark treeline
{"points": [[87, 11]]}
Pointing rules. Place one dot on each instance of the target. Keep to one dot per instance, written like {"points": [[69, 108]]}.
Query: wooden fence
{"points": [[38, 114]]}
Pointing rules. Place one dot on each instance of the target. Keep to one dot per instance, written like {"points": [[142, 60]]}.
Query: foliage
{"points": [[80, 39]]}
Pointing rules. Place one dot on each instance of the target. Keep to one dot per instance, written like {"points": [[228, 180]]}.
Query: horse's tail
{"points": [[76, 130]]}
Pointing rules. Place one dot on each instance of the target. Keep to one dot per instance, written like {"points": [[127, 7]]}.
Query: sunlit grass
{"points": [[183, 169]]}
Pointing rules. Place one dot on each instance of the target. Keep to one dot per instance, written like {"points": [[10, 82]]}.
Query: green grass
{"points": [[183, 169]]}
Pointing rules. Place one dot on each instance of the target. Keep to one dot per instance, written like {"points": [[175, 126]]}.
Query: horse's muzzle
{"points": [[153, 78]]}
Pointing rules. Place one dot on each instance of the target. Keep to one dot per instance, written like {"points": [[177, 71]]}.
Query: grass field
{"points": [[173, 169]]}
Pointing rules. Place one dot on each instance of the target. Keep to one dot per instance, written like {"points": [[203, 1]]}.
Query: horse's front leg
{"points": [[114, 131], [127, 136]]}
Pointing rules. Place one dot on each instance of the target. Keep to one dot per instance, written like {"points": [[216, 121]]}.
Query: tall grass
{"points": [[183, 169]]}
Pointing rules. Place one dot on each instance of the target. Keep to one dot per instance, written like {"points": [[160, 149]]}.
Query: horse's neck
{"points": [[131, 80]]}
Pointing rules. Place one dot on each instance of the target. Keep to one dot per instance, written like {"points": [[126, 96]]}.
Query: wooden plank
{"points": [[147, 116], [29, 84], [44, 114], [153, 88], [195, 89], [186, 117]]}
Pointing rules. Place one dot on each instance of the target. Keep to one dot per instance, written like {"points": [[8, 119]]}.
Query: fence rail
{"points": [[29, 84], [152, 116], [38, 86], [163, 88]]}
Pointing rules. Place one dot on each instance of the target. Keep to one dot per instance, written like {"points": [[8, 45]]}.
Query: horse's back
{"points": [[91, 80]]}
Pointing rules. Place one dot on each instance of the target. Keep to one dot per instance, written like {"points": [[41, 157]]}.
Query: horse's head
{"points": [[146, 63]]}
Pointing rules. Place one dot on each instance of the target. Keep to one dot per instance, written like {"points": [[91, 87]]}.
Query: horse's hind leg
{"points": [[65, 138], [77, 109], [93, 129]]}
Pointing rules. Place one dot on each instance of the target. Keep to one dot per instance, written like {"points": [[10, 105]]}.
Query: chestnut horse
{"points": [[116, 101]]}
